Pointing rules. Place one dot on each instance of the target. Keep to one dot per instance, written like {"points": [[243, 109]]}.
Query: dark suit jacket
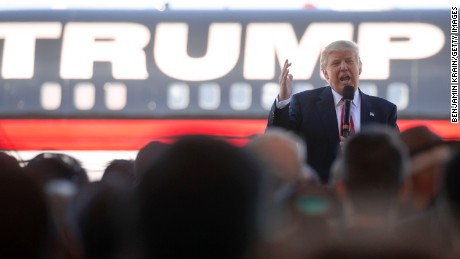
{"points": [[311, 114]]}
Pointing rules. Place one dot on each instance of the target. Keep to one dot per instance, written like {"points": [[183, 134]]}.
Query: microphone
{"points": [[348, 93]]}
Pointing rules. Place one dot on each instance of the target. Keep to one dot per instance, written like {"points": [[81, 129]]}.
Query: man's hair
{"points": [[374, 162], [285, 145], [340, 45]]}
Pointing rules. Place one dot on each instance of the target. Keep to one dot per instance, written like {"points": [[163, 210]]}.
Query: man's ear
{"points": [[326, 76]]}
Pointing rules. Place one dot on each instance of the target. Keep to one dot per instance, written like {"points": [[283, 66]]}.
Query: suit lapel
{"points": [[326, 109], [367, 111]]}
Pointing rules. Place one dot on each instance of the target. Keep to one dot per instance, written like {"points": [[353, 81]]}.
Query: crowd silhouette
{"points": [[391, 195]]}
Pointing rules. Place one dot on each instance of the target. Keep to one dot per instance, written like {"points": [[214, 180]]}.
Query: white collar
{"points": [[337, 98]]}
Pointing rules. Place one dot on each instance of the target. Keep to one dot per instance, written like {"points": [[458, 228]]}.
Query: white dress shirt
{"points": [[355, 109]]}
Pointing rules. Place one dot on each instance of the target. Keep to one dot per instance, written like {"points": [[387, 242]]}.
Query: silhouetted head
{"points": [[374, 162], [452, 182], [24, 219], [428, 153], [280, 152], [147, 155], [47, 167], [199, 201], [120, 173], [8, 162], [97, 217]]}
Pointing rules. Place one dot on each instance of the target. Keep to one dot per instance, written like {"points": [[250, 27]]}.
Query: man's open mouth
{"points": [[345, 78]]}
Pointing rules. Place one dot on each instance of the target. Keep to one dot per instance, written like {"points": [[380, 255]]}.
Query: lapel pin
{"points": [[371, 114]]}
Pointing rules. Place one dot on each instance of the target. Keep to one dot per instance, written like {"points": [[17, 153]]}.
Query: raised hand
{"points": [[286, 82]]}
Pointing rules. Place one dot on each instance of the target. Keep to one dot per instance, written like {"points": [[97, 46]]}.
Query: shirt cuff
{"points": [[283, 103]]}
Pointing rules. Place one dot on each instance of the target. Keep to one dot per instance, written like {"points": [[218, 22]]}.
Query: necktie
{"points": [[352, 127]]}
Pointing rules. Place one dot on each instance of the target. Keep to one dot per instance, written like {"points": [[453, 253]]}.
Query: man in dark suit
{"points": [[316, 115]]}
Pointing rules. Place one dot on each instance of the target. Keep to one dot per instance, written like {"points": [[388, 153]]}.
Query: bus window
{"points": [[209, 96], [152, 105], [84, 96], [269, 93], [51, 95], [398, 93], [299, 87], [369, 88], [178, 96], [240, 96], [115, 96]]}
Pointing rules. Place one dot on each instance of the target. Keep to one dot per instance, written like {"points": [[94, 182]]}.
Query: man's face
{"points": [[342, 69]]}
